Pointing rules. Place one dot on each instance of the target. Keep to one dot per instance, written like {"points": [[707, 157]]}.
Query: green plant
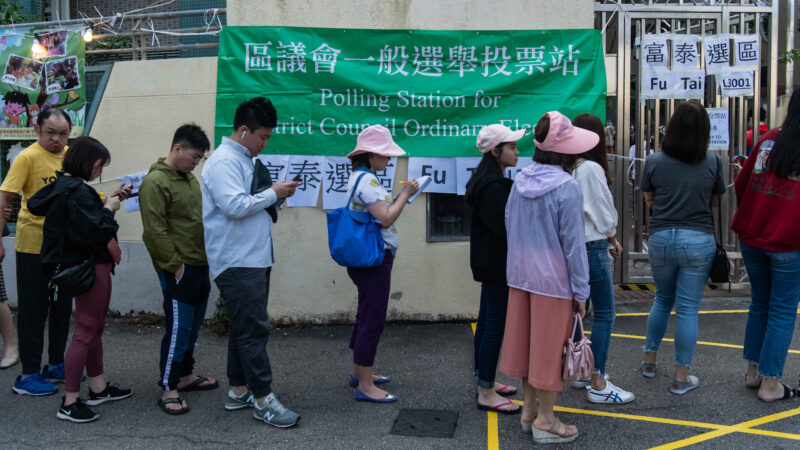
{"points": [[789, 56], [219, 321], [11, 13], [112, 43]]}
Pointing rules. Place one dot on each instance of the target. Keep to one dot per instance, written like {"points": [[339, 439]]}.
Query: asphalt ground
{"points": [[431, 368]]}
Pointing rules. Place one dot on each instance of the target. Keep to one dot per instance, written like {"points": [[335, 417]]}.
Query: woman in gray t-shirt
{"points": [[680, 184]]}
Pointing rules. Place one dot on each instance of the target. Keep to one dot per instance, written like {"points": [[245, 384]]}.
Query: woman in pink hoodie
{"points": [[547, 272]]}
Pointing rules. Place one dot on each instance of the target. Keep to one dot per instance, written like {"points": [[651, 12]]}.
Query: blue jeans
{"points": [[680, 261], [489, 331], [602, 295], [775, 291]]}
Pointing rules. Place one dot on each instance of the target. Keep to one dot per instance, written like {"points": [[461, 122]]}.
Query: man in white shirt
{"points": [[238, 240]]}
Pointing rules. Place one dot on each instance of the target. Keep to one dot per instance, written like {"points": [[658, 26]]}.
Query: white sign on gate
{"points": [[720, 135], [736, 84], [658, 84]]}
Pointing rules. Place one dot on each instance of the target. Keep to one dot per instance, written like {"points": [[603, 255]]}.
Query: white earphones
{"points": [[243, 133]]}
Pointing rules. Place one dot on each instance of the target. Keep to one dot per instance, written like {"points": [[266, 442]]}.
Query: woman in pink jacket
{"points": [[547, 272]]}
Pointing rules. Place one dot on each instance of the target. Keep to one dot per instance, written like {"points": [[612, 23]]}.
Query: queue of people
{"points": [[540, 245]]}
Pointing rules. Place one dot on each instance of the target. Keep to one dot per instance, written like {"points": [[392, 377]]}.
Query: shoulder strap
{"points": [[355, 186]]}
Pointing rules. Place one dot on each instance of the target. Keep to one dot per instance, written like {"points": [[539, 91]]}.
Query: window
{"points": [[448, 218]]}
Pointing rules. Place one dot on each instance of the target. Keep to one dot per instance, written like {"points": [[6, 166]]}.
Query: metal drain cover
{"points": [[434, 423]]}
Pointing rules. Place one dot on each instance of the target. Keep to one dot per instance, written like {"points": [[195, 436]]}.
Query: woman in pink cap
{"points": [[547, 272], [373, 151], [487, 193]]}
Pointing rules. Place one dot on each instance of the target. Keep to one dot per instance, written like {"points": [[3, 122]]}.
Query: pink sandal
{"points": [[506, 390]]}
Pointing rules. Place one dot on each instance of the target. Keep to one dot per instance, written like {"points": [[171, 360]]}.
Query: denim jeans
{"points": [[680, 261], [775, 291], [602, 295], [489, 331]]}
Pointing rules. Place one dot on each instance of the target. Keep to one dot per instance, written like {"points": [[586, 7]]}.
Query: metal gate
{"points": [[638, 124]]}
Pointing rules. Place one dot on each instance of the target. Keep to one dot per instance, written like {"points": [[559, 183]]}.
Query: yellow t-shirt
{"points": [[32, 169]]}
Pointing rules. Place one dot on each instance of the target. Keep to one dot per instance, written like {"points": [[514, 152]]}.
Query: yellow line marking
{"points": [[712, 344], [683, 423], [721, 311], [492, 438], [492, 429], [743, 427]]}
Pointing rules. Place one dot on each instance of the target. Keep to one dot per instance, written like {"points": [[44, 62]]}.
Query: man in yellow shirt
{"points": [[32, 169]]}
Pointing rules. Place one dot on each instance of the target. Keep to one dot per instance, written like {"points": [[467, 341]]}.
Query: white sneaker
{"points": [[585, 383], [611, 394]]}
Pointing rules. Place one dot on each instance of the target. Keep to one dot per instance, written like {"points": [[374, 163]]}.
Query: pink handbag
{"points": [[578, 358]]}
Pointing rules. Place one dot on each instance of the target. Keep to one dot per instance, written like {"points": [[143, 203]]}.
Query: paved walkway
{"points": [[431, 369]]}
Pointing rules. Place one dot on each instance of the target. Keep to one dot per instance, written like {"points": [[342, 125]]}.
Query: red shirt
{"points": [[762, 128], [769, 206]]}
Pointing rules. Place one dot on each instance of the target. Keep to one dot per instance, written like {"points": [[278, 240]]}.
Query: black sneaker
{"points": [[110, 393], [77, 412]]}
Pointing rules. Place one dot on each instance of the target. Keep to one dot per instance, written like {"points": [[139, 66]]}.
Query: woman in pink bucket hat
{"points": [[547, 273], [374, 148]]}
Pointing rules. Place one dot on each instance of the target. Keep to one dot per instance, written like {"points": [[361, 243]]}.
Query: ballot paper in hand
{"points": [[423, 181]]}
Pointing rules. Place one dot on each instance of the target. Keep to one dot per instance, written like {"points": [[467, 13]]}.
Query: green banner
{"points": [[41, 69], [433, 89]]}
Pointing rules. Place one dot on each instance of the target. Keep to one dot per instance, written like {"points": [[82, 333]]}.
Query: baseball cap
{"points": [[493, 135]]}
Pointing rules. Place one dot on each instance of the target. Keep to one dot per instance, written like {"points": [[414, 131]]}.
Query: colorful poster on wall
{"points": [[434, 90], [41, 69]]}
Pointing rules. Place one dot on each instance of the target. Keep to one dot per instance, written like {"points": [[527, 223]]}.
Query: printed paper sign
{"points": [[681, 85], [718, 53], [465, 167], [132, 202], [334, 185], [442, 170], [386, 176], [736, 84], [654, 51], [309, 171], [277, 165], [684, 52], [747, 51], [720, 136]]}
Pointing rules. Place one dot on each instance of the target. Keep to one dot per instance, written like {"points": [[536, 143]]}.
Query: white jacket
{"points": [[599, 213]]}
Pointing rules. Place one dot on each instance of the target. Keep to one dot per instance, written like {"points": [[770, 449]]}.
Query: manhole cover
{"points": [[426, 423]]}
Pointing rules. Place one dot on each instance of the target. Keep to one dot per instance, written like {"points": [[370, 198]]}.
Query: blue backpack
{"points": [[354, 237]]}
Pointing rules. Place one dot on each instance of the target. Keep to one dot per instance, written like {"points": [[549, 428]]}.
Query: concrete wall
{"points": [[146, 100]]}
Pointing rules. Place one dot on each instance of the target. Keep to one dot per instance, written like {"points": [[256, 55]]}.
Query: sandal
{"points": [[197, 385], [499, 408], [9, 361], [506, 390], [552, 436], [787, 394], [173, 412]]}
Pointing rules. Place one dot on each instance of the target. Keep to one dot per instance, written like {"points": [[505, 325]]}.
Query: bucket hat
{"points": [[376, 139]]}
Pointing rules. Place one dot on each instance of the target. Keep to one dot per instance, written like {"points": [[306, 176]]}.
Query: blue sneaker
{"points": [[34, 385], [56, 373]]}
